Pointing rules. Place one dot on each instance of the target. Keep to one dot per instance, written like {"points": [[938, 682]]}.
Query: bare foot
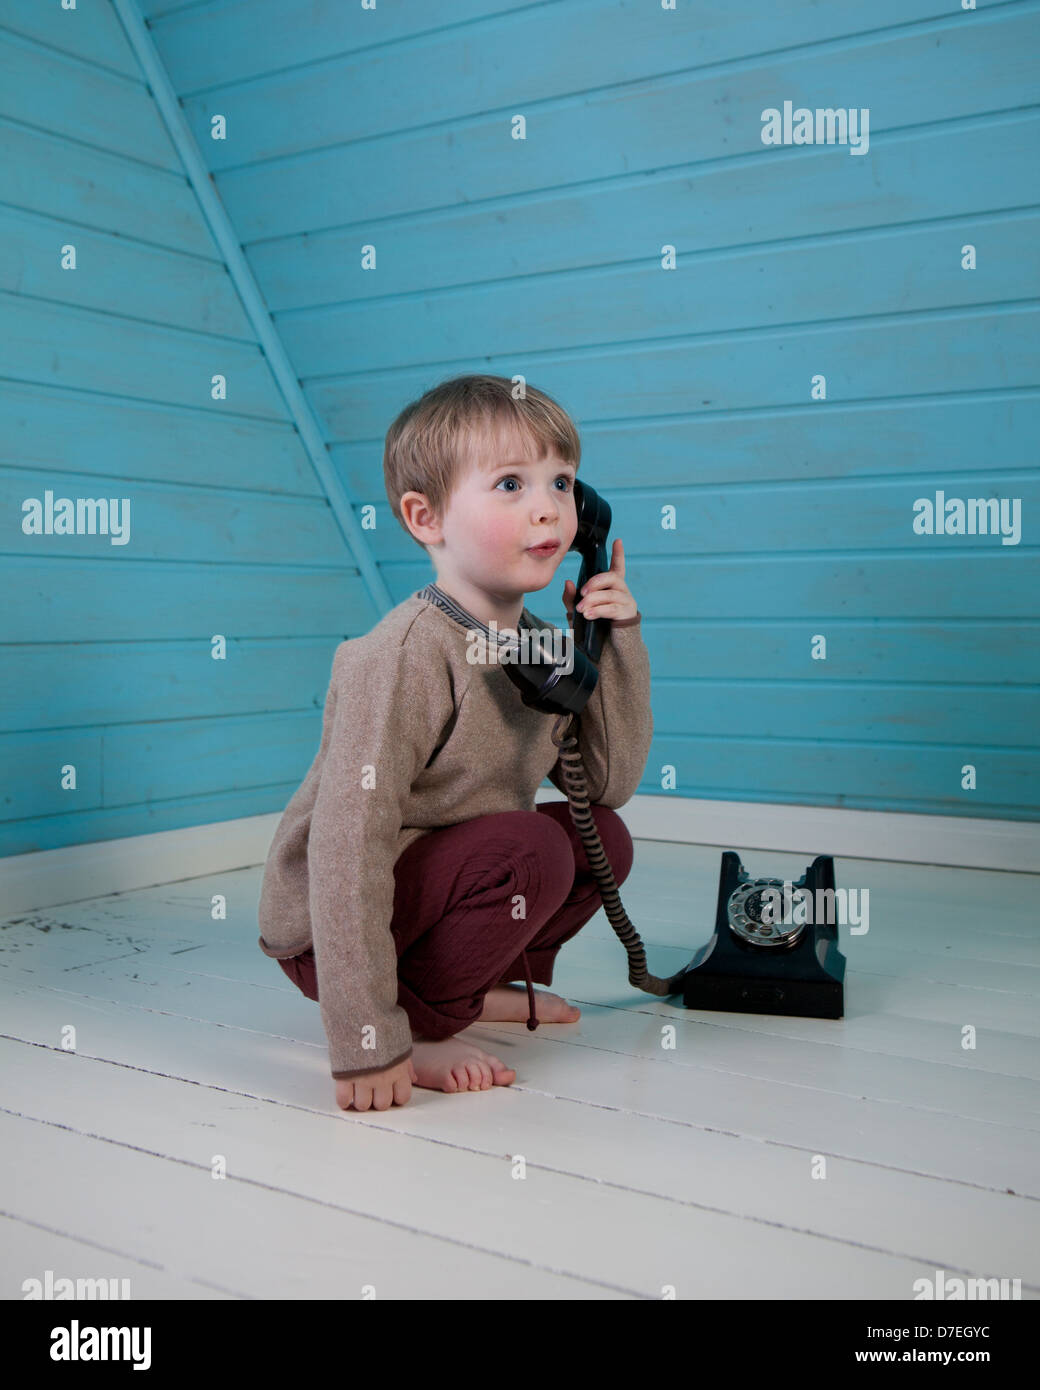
{"points": [[509, 1004], [457, 1065]]}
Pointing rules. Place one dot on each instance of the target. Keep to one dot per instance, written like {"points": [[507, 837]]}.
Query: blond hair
{"points": [[427, 446]]}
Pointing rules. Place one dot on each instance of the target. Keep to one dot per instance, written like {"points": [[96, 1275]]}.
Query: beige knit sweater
{"points": [[416, 738]]}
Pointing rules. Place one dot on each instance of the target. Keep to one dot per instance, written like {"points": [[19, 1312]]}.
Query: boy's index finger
{"points": [[617, 558], [604, 579]]}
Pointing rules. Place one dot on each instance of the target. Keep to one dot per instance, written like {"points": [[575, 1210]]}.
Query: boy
{"points": [[411, 876]]}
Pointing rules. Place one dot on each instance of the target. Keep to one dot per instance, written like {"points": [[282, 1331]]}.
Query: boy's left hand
{"points": [[605, 595]]}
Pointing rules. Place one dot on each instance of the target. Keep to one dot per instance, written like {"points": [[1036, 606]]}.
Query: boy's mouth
{"points": [[549, 548]]}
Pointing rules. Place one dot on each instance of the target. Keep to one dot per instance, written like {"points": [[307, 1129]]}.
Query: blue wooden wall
{"points": [[692, 387]]}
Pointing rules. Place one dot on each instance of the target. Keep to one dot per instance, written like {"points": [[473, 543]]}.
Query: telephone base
{"points": [[737, 995], [803, 975]]}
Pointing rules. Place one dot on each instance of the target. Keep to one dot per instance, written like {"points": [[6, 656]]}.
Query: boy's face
{"points": [[504, 503]]}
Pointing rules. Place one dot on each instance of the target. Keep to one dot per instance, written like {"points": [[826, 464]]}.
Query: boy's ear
{"points": [[412, 505]]}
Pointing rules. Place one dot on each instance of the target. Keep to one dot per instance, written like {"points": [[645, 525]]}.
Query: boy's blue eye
{"points": [[512, 478]]}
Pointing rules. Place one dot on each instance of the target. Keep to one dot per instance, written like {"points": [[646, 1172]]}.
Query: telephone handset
{"points": [[590, 540], [544, 684]]}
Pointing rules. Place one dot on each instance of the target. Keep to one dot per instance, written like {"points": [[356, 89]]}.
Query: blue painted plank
{"points": [[47, 685], [97, 601], [842, 278], [90, 188], [119, 276], [959, 651], [625, 220], [57, 345], [131, 764], [36, 764], [194, 38], [550, 57], [63, 96], [91, 32], [161, 762], [98, 824], [169, 523], [909, 713], [942, 353], [451, 129], [711, 766], [233, 42], [46, 428]]}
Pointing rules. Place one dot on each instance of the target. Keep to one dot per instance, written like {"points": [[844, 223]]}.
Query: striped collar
{"points": [[435, 595]]}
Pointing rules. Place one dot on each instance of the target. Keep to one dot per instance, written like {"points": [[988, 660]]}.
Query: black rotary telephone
{"points": [[741, 970]]}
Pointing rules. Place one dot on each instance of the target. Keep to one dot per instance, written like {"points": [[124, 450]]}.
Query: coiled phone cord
{"points": [[573, 772]]}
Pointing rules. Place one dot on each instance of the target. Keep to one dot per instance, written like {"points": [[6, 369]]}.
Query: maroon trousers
{"points": [[470, 898]]}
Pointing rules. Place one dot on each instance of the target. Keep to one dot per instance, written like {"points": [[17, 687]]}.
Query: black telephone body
{"points": [[758, 964], [750, 965]]}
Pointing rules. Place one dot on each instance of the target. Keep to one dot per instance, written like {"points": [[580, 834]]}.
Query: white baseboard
{"points": [[73, 873], [70, 874], [959, 841]]}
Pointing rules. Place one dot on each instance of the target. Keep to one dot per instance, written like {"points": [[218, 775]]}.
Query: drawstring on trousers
{"points": [[532, 1022]]}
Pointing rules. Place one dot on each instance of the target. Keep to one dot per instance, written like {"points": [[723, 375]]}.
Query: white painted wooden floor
{"points": [[645, 1168]]}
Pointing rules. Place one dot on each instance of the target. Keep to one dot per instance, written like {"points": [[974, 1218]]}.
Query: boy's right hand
{"points": [[379, 1089]]}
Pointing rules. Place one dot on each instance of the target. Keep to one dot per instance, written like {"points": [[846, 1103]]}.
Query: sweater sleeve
{"points": [[616, 726], [389, 713]]}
